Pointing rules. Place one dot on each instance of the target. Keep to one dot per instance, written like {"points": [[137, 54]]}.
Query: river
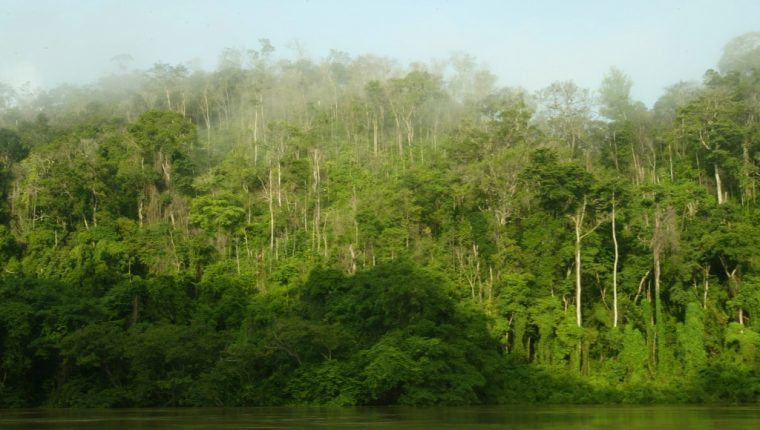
{"points": [[393, 418]]}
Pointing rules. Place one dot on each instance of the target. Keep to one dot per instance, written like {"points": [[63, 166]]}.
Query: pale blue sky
{"points": [[525, 43]]}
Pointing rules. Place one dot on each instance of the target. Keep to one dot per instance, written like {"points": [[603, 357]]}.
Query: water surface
{"points": [[393, 418]]}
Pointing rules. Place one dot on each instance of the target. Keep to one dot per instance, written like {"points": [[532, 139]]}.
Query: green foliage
{"points": [[691, 336], [161, 131], [217, 213], [562, 186], [634, 355], [293, 232], [730, 383], [744, 343]]}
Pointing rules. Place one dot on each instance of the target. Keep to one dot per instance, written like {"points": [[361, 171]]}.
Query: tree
{"points": [[566, 113], [741, 54], [664, 238], [12, 148], [167, 78], [407, 96], [470, 82], [163, 138], [676, 97], [377, 100], [708, 126], [220, 214], [730, 247], [615, 95], [166, 141], [566, 189]]}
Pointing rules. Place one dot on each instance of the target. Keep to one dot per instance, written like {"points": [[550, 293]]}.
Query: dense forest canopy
{"points": [[349, 231]]}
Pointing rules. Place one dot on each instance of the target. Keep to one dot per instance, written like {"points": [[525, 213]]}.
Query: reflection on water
{"points": [[392, 418]]}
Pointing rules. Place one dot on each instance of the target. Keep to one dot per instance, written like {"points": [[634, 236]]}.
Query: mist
{"points": [[48, 43]]}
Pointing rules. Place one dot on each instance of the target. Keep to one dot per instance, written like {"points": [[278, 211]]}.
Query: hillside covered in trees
{"points": [[347, 231]]}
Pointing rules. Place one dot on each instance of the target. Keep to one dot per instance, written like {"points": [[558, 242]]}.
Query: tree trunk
{"points": [[256, 125], [734, 290], [656, 257], [409, 130], [399, 137], [374, 135], [237, 255], [614, 268], [706, 280], [657, 322], [317, 200], [578, 220], [718, 185], [279, 185], [140, 211], [271, 211], [578, 319], [352, 267], [636, 167], [205, 108]]}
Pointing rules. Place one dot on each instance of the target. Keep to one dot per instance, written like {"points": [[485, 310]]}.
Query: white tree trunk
{"points": [[614, 269], [578, 220]]}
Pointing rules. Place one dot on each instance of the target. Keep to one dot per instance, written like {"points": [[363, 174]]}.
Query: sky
{"points": [[524, 43]]}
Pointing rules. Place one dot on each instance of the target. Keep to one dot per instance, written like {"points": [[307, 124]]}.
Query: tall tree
{"points": [[566, 189], [741, 54], [615, 95], [566, 113]]}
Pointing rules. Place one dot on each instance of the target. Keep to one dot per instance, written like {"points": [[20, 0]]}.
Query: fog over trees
{"points": [[348, 230]]}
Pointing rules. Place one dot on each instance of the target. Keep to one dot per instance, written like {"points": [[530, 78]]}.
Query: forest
{"points": [[349, 231]]}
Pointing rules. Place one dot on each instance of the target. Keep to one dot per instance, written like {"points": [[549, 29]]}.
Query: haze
{"points": [[657, 43]]}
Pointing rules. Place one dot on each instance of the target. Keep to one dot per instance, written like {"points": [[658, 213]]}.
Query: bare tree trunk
{"points": [[578, 220], [237, 255], [140, 211], [718, 186], [256, 125], [317, 199], [399, 137], [636, 166], [435, 131], [733, 289], [614, 268], [207, 119], [615, 151], [374, 135], [578, 316], [271, 211], [352, 268], [706, 280], [279, 185], [477, 273], [656, 257], [409, 130], [656, 322], [641, 287]]}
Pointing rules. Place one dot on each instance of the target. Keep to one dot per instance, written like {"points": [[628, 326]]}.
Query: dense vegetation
{"points": [[349, 232]]}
